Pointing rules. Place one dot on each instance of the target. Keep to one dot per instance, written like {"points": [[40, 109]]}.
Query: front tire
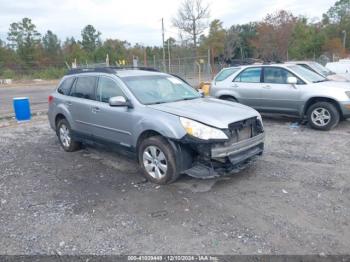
{"points": [[64, 133], [323, 116], [157, 160]]}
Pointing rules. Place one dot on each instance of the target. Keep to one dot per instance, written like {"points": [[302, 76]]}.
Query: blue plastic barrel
{"points": [[22, 108]]}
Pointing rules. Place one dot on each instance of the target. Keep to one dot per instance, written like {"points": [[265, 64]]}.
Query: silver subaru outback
{"points": [[169, 126]]}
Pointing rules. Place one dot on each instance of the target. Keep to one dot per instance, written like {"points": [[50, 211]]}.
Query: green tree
{"points": [[337, 22], [51, 44], [307, 40], [116, 50], [90, 38], [339, 12], [24, 38], [215, 40], [72, 51], [238, 42]]}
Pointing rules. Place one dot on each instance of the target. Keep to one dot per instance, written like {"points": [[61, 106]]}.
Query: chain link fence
{"points": [[192, 69]]}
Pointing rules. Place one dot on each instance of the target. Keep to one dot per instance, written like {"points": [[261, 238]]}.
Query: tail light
{"points": [[50, 99]]}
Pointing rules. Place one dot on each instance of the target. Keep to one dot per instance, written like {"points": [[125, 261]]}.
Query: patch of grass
{"points": [[7, 74], [49, 73]]}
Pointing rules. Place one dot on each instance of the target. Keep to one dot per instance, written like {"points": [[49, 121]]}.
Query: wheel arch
{"points": [[183, 155], [59, 117], [146, 134], [227, 96], [317, 99]]}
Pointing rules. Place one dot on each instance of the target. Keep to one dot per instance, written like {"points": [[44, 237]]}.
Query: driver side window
{"points": [[275, 75], [106, 89]]}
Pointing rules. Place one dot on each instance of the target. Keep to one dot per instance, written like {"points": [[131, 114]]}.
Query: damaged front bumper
{"points": [[227, 159], [213, 159]]}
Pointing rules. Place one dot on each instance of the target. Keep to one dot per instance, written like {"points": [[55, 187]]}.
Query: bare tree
{"points": [[191, 19]]}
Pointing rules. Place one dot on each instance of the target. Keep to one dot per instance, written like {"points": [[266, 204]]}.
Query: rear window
{"points": [[85, 87], [66, 86], [225, 73]]}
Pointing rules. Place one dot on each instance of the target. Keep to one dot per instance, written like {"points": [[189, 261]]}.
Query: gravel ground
{"points": [[293, 200]]}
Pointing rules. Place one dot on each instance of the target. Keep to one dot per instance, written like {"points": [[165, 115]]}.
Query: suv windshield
{"points": [[307, 74], [323, 70], [158, 89], [225, 73]]}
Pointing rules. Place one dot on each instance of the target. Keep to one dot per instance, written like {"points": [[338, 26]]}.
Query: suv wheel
{"points": [[157, 160], [64, 134], [323, 116]]}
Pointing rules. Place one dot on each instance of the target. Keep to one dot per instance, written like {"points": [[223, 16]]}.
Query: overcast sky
{"points": [[139, 21]]}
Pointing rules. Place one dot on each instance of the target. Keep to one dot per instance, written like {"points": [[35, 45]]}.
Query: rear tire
{"points": [[323, 116], [157, 160], [64, 133]]}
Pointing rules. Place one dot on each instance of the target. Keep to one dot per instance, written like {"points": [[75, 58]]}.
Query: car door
{"points": [[111, 123], [277, 95], [79, 104], [247, 86]]}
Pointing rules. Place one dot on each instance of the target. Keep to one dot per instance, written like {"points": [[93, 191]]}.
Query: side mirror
{"points": [[292, 80], [118, 101], [201, 92]]}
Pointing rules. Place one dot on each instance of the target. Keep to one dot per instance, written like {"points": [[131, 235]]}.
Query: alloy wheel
{"points": [[155, 162], [320, 116], [65, 136]]}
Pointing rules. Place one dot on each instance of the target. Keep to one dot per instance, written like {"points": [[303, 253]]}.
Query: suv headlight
{"points": [[201, 131], [347, 93]]}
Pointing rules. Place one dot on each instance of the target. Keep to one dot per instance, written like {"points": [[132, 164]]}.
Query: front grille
{"points": [[244, 129]]}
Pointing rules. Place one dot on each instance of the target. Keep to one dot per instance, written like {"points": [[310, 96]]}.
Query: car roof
{"points": [[300, 62], [119, 71], [126, 73], [260, 65]]}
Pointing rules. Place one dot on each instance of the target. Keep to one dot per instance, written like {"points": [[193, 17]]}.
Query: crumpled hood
{"points": [[210, 111]]}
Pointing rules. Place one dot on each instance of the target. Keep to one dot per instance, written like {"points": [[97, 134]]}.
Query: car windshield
{"points": [[158, 89], [225, 73], [307, 74], [323, 70]]}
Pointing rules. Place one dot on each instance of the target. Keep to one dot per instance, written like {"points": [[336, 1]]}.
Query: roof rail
{"points": [[108, 70]]}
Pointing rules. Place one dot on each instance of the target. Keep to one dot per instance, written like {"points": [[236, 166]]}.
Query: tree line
{"points": [[279, 36]]}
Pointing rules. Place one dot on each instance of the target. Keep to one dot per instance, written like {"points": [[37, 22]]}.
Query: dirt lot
{"points": [[293, 200]]}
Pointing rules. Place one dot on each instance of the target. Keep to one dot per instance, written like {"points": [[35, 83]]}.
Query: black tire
{"points": [[229, 98], [328, 123], [161, 145], [70, 146]]}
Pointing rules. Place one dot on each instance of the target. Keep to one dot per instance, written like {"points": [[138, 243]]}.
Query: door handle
{"points": [[68, 103], [267, 87], [235, 86], [95, 109]]}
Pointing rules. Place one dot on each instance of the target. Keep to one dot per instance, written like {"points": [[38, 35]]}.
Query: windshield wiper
{"points": [[157, 103], [319, 81], [185, 98]]}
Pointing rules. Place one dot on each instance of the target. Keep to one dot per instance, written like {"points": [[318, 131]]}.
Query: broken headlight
{"points": [[200, 130]]}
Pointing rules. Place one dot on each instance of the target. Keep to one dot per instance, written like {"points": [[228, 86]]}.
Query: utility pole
{"points": [[344, 39], [144, 57], [163, 44], [169, 53]]}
